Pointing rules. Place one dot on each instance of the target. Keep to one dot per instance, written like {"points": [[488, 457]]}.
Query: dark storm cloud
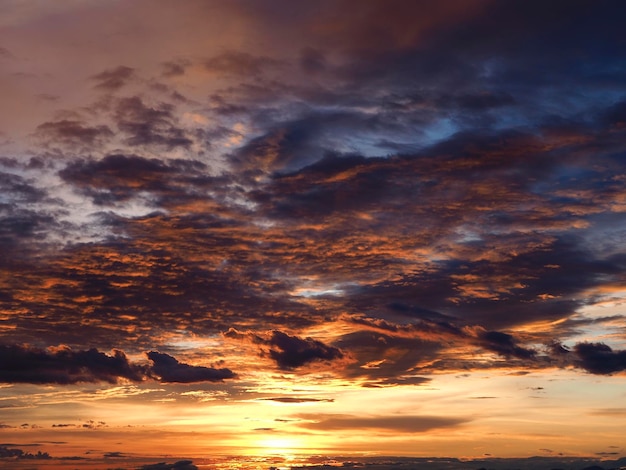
{"points": [[146, 125], [407, 424], [169, 370], [23, 364], [113, 79]]}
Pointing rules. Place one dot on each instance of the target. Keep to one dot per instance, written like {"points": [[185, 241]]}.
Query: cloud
{"points": [[24, 364], [169, 370], [289, 352], [399, 380], [19, 189], [599, 358], [504, 344], [61, 365], [145, 125], [180, 465], [118, 177], [5, 53], [298, 399], [396, 424], [435, 191], [312, 60], [113, 79], [239, 63], [11, 453], [114, 455], [73, 133], [175, 68]]}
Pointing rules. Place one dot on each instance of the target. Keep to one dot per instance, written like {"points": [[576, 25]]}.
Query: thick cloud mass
{"points": [[168, 369], [399, 189], [599, 358], [64, 366], [290, 352], [61, 365]]}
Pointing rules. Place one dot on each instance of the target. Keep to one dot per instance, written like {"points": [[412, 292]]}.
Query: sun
{"points": [[279, 445]]}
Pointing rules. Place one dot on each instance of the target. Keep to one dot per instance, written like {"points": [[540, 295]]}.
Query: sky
{"points": [[324, 227]]}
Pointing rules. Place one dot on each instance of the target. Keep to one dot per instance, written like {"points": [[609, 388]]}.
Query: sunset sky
{"points": [[339, 227]]}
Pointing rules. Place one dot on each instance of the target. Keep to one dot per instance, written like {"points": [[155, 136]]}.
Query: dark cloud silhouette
{"points": [[180, 465], [168, 369], [113, 79], [504, 344], [114, 454], [599, 358], [62, 365], [23, 364], [6, 452], [290, 352]]}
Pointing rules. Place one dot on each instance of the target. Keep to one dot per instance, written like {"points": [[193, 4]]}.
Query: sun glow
{"points": [[285, 446]]}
